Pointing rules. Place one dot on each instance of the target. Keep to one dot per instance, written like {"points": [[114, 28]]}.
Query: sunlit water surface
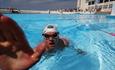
{"points": [[83, 31]]}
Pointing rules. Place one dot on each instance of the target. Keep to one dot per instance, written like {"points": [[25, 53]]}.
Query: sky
{"points": [[39, 4]]}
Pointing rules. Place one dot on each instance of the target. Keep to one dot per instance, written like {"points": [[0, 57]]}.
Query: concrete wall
{"points": [[113, 9]]}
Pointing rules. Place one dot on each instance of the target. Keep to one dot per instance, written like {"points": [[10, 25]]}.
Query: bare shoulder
{"points": [[66, 42], [11, 24], [8, 20], [4, 18]]}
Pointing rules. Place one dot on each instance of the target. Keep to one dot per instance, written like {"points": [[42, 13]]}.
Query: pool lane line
{"points": [[112, 34]]}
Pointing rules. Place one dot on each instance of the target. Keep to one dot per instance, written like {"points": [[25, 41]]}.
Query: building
{"points": [[92, 5]]}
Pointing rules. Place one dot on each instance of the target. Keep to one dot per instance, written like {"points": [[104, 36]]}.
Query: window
{"points": [[89, 3], [110, 5], [105, 6], [100, 6], [101, 1], [106, 1], [93, 2], [112, 0]]}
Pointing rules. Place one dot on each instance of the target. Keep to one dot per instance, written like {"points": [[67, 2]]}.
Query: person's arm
{"points": [[66, 42], [4, 42], [14, 34], [38, 51]]}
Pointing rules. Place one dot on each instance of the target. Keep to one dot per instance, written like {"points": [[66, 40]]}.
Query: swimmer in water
{"points": [[15, 51], [52, 39]]}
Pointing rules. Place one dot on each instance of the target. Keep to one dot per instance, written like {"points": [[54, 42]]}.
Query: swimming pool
{"points": [[83, 31]]}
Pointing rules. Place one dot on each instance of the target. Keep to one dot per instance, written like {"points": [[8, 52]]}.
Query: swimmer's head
{"points": [[50, 28], [50, 34]]}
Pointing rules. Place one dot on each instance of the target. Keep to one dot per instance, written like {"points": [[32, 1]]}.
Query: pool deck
{"points": [[36, 11], [6, 11]]}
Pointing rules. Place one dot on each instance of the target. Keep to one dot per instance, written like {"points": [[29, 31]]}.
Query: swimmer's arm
{"points": [[38, 51], [15, 34], [66, 42]]}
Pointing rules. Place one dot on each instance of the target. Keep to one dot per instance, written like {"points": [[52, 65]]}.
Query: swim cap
{"points": [[50, 28]]}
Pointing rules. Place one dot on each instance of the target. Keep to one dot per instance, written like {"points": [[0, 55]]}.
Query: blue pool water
{"points": [[83, 31]]}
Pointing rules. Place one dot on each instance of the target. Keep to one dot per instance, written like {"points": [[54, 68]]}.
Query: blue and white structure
{"points": [[91, 5]]}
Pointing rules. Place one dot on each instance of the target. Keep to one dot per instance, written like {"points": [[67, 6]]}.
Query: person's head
{"points": [[50, 34]]}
